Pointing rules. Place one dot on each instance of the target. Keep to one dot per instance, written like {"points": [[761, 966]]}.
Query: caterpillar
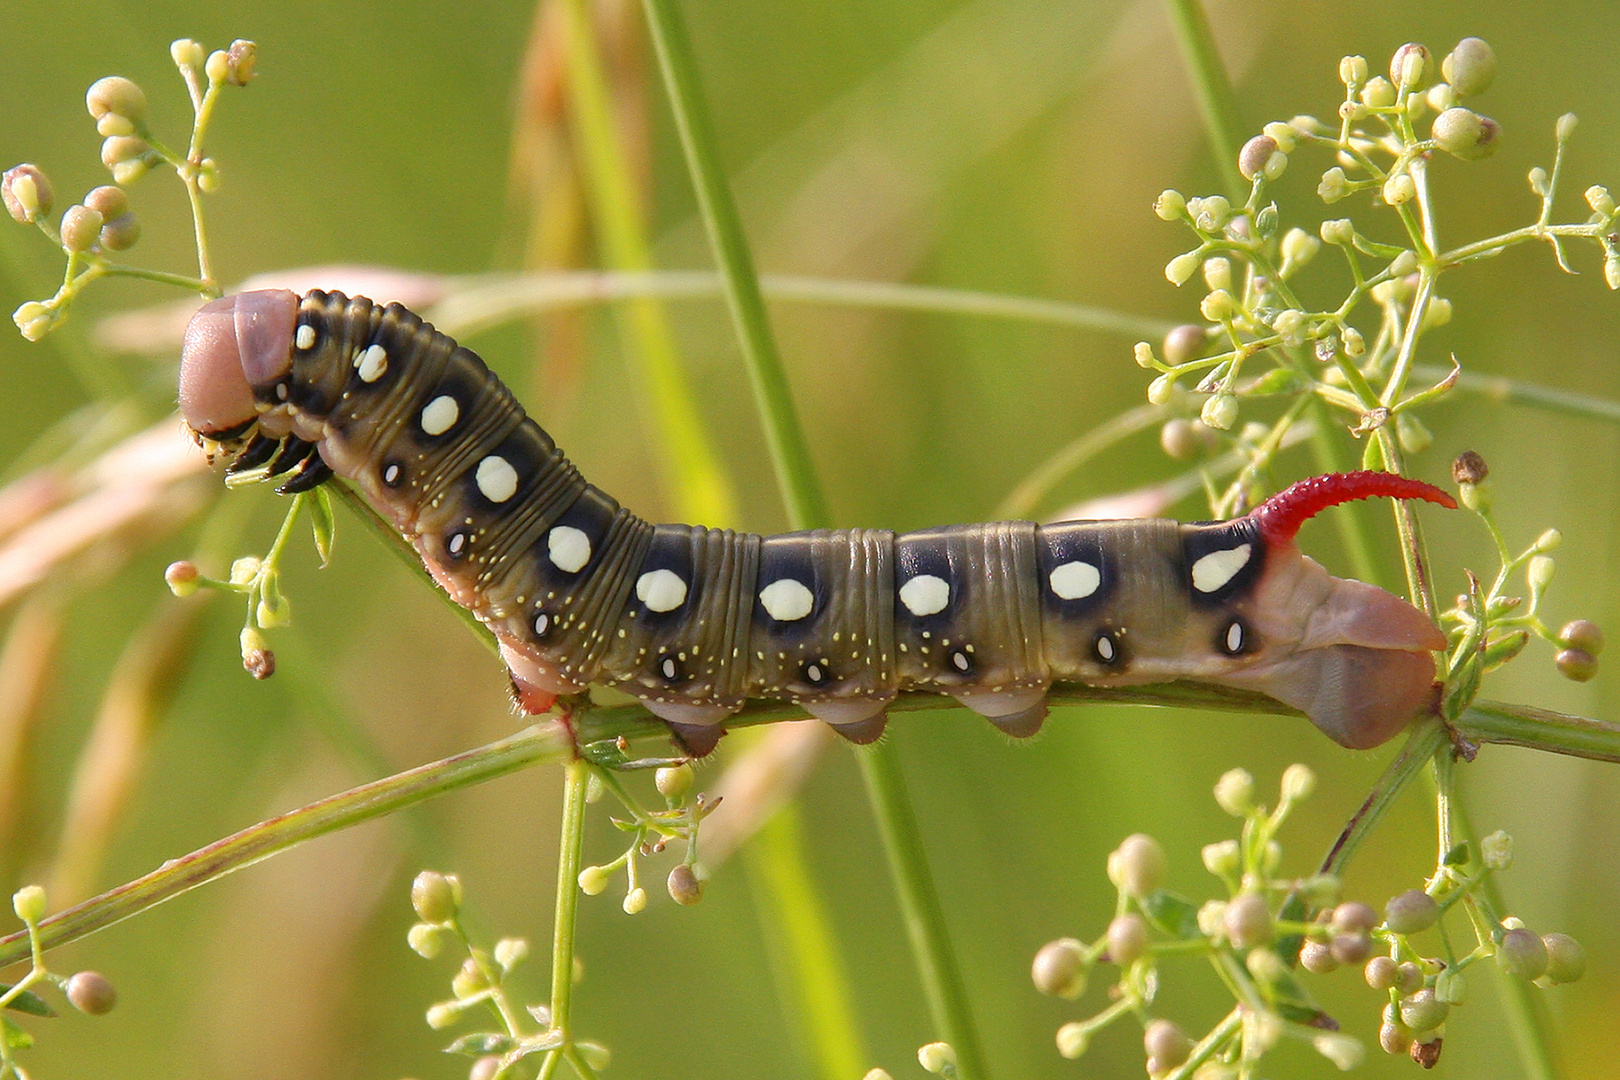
{"points": [[694, 621]]}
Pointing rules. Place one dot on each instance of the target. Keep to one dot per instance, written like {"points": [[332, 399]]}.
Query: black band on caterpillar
{"points": [[695, 621]]}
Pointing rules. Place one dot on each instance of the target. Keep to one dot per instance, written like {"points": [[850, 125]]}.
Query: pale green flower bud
{"points": [[1073, 1038], [1210, 213], [1333, 186], [1180, 439], [29, 903], [1127, 938], [1466, 134], [635, 901], [273, 611], [1451, 988], [187, 53], [33, 319], [1399, 189], [127, 172], [241, 58], [1438, 313], [936, 1057], [1410, 912], [1220, 412], [182, 577], [121, 149], [80, 228], [1354, 344], [1423, 1011], [442, 1015], [1298, 781], [1599, 199], [425, 940], [1470, 67], [1343, 1050], [1159, 391], [1353, 71], [1284, 135], [1137, 866], [510, 952], [1186, 342], [1540, 572], [1537, 178], [1222, 858], [208, 175], [1180, 269], [218, 66], [1566, 960], [26, 192], [1298, 249], [1379, 93], [1522, 954], [1170, 205], [113, 124], [1059, 968], [1340, 231], [674, 781], [593, 879], [1166, 1044], [1218, 273], [1611, 272], [1496, 850], [117, 95], [1247, 921], [1565, 126], [1412, 67], [1412, 434], [245, 569], [1234, 792], [1550, 541], [1441, 96], [1218, 305], [435, 896], [877, 1074], [1142, 353]]}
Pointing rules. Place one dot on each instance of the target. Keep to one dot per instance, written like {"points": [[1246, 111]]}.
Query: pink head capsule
{"points": [[232, 345]]}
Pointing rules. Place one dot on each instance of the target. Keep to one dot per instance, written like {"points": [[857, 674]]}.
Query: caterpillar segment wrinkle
{"points": [[694, 621]]}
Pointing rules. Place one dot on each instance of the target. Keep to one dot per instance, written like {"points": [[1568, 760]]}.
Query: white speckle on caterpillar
{"points": [[787, 600], [925, 594], [305, 338], [371, 364], [1214, 570], [497, 480], [1074, 580], [440, 415], [661, 590], [568, 548]]}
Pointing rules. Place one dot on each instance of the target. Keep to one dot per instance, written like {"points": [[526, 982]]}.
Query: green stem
{"points": [[790, 454], [1217, 103], [568, 860], [696, 478], [1425, 740]]}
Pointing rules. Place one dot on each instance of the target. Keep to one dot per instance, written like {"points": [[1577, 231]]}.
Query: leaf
{"points": [[481, 1043], [28, 1002], [323, 523], [13, 1036], [1171, 914]]}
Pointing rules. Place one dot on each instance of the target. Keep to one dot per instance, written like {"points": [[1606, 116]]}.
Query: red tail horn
{"points": [[1281, 515]]}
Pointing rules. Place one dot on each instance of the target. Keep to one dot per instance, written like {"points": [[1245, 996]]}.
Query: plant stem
{"points": [[1217, 103], [568, 859]]}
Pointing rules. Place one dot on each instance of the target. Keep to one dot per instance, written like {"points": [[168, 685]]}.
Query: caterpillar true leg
{"points": [[694, 621]]}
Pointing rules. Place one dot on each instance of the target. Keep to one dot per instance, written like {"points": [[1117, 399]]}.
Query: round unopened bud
{"points": [[1540, 571], [107, 200], [1073, 1038], [1218, 273], [936, 1057], [1254, 155], [1170, 205], [1234, 792], [1220, 412], [1185, 342], [1266, 966], [1566, 960], [1565, 126], [181, 577], [1351, 948], [117, 95], [1159, 391], [425, 939], [1522, 954], [1576, 664], [29, 903], [1340, 231], [1179, 439], [442, 1015], [1380, 972], [434, 897], [1423, 1011], [1412, 67], [1247, 921], [1166, 1043], [33, 319], [1298, 249], [208, 175], [1582, 634], [593, 879], [1137, 866], [26, 192], [91, 993], [1353, 917], [1317, 958], [683, 884], [1470, 67], [1410, 912], [1469, 468], [1399, 189], [240, 58], [1298, 781], [80, 228], [674, 781], [1223, 858], [485, 1068], [1465, 134], [1353, 71], [1611, 272], [1394, 1038], [186, 53], [121, 149], [1599, 199], [510, 952], [120, 233], [218, 66], [1379, 93], [635, 902], [877, 1074], [1211, 213], [1450, 987], [468, 980], [1333, 186], [1496, 850], [1059, 968], [1127, 938], [1179, 270], [1408, 978]]}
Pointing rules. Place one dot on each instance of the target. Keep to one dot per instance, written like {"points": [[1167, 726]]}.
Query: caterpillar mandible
{"points": [[694, 621]]}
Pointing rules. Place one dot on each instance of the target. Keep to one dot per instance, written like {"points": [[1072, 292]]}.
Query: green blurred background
{"points": [[1006, 145]]}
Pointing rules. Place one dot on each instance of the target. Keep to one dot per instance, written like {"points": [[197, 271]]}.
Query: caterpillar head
{"points": [[1355, 659], [232, 345]]}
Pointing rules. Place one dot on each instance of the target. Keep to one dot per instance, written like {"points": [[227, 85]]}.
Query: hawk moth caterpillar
{"points": [[694, 621]]}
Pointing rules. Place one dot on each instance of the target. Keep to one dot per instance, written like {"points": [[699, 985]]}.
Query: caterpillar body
{"points": [[693, 621]]}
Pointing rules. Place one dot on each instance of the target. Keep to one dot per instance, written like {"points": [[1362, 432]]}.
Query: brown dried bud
{"points": [[1427, 1054], [91, 993], [1469, 468], [27, 193], [684, 887], [241, 58], [1254, 155], [1582, 634], [1576, 664]]}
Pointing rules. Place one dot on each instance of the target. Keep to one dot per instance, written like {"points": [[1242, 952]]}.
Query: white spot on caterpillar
{"points": [[497, 480], [1074, 580], [786, 600], [1105, 648], [661, 590], [391, 475], [960, 661], [925, 594], [1214, 570], [305, 338], [458, 543], [568, 548], [440, 415], [372, 363], [1234, 638]]}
